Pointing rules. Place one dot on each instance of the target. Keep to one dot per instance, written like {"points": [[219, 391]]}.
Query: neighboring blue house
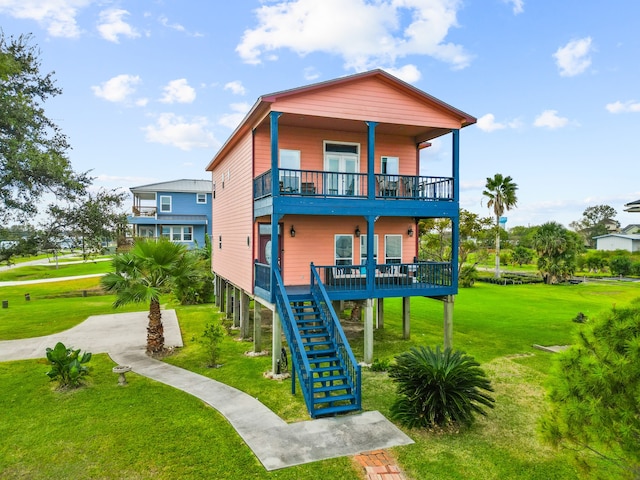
{"points": [[179, 210]]}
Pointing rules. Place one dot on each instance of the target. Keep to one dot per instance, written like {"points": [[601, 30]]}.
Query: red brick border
{"points": [[379, 465]]}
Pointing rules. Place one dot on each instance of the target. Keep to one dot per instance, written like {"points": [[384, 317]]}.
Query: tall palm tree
{"points": [[501, 194], [142, 275]]}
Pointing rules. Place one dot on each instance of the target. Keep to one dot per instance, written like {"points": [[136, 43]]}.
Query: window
{"points": [[165, 203], [290, 177], [393, 249], [344, 249], [201, 198], [146, 231], [363, 249], [390, 166], [178, 233]]}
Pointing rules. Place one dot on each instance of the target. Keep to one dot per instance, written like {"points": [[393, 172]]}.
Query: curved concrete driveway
{"points": [[275, 443]]}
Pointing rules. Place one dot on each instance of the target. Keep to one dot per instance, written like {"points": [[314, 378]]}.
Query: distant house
{"points": [[618, 241], [631, 229], [632, 206], [178, 209]]}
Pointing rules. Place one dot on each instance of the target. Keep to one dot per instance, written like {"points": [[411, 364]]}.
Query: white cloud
{"points": [[57, 16], [550, 119], [232, 120], [376, 38], [236, 87], [164, 21], [111, 25], [178, 91], [487, 123], [619, 107], [118, 89], [310, 74], [408, 73], [573, 59], [518, 5], [174, 130]]}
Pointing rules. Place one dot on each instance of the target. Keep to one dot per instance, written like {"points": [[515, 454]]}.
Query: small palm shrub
{"points": [[67, 365], [468, 276], [438, 388]]}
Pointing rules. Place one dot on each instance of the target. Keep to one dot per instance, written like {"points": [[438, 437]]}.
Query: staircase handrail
{"points": [[294, 340], [352, 366]]}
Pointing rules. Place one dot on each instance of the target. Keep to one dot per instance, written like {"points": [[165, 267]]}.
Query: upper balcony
{"points": [[144, 211], [323, 184]]}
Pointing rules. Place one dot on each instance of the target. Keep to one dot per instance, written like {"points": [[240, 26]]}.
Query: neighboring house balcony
{"points": [[140, 211], [356, 282]]}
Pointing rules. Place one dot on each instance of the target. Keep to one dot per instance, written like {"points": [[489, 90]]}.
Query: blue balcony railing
{"points": [[340, 184]]}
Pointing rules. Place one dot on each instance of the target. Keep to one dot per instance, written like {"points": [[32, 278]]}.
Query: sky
{"points": [[153, 88]]}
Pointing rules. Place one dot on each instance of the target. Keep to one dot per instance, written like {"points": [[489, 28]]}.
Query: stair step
{"points": [[321, 360], [327, 411], [320, 334], [318, 354], [335, 398], [333, 388], [330, 378], [331, 368]]}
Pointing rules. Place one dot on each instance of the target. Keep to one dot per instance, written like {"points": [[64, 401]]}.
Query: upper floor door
{"points": [[341, 161]]}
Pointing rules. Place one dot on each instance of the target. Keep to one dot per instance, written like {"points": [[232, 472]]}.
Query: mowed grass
{"points": [[53, 307], [33, 272], [148, 430]]}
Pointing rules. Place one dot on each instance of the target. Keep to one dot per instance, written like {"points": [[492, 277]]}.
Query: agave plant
{"points": [[67, 365], [438, 388]]}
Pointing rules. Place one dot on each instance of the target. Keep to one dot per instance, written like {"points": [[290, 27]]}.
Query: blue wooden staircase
{"points": [[321, 357]]}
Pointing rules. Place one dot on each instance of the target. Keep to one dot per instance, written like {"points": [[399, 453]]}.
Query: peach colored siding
{"points": [[370, 99], [314, 242], [233, 217], [311, 146]]}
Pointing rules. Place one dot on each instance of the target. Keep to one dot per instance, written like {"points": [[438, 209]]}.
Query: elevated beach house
{"points": [[179, 210], [317, 196]]}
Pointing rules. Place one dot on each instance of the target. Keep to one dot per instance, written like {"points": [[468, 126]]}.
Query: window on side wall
{"points": [[201, 198], [178, 233], [165, 203], [363, 251]]}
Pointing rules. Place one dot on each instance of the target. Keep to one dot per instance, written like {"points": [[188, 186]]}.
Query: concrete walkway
{"points": [[274, 442]]}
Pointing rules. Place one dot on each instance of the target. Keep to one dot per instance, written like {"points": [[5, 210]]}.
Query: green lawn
{"points": [[147, 430], [34, 272]]}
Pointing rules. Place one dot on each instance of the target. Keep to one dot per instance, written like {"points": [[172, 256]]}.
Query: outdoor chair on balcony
{"points": [[408, 186], [387, 188]]}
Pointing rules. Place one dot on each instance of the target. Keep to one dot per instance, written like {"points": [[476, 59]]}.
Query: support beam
{"points": [[380, 313], [244, 314], [368, 331], [236, 306], [257, 327], [406, 318], [276, 341], [448, 321]]}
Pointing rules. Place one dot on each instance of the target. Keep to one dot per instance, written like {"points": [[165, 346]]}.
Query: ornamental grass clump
{"points": [[438, 388]]}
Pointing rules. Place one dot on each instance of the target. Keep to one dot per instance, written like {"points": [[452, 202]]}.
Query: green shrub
{"points": [[468, 276], [380, 365], [67, 365], [438, 388], [211, 338], [620, 265]]}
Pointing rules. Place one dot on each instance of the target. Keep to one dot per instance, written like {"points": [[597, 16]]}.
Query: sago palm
{"points": [[438, 388], [501, 194], [141, 276]]}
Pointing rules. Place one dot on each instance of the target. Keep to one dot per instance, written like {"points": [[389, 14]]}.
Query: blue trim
{"points": [[371, 159]]}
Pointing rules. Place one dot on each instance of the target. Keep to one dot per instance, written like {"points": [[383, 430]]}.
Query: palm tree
{"points": [[142, 275], [501, 194]]}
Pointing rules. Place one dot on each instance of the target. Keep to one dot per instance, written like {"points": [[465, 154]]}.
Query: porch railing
{"points": [[262, 275], [387, 276], [340, 184], [139, 211]]}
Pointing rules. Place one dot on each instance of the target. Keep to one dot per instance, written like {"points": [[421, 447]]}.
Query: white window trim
{"points": [[170, 204], [386, 237], [180, 229], [198, 199], [335, 253]]}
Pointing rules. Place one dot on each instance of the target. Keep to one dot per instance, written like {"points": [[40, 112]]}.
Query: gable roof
{"points": [[628, 236], [183, 185], [264, 104]]}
